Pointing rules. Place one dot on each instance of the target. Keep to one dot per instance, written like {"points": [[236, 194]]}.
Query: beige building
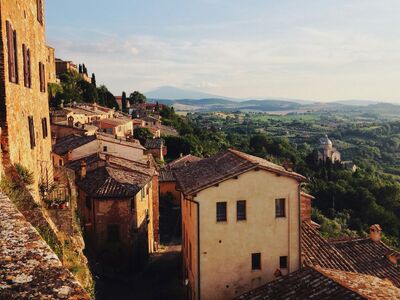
{"points": [[51, 65], [119, 127], [240, 224], [24, 109]]}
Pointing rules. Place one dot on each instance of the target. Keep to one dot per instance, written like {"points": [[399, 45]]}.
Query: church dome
{"points": [[326, 141]]}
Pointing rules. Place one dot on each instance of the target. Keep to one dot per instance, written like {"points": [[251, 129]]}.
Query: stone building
{"points": [[240, 224], [24, 110], [118, 209], [327, 151], [51, 65], [65, 66], [156, 148]]}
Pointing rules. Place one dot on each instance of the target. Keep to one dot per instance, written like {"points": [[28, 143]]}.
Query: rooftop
{"points": [[29, 268], [71, 142], [204, 173], [154, 143], [320, 283], [182, 162]]}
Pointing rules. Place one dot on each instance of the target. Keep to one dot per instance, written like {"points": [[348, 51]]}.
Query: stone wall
{"points": [[17, 101], [29, 268]]}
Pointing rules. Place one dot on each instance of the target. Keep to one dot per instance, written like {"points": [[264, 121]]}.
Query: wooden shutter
{"points": [[10, 46], [39, 4], [42, 77], [44, 128], [15, 56], [28, 56], [25, 63], [31, 132]]}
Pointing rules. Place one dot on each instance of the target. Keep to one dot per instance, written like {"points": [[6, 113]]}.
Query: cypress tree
{"points": [[94, 80], [123, 102]]}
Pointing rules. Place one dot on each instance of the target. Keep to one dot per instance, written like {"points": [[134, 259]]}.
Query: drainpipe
{"points": [[299, 195], [198, 245]]}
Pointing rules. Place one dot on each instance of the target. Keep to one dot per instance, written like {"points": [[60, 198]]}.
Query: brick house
{"points": [[117, 208], [24, 110], [156, 148]]}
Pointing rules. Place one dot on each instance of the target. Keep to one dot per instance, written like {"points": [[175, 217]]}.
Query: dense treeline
{"points": [[346, 201], [73, 88]]}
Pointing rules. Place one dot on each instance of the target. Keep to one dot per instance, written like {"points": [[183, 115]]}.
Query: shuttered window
{"points": [[32, 132], [12, 53], [39, 4], [44, 128], [42, 78], [26, 54]]}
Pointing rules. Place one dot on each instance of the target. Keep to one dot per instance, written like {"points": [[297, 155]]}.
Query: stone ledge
{"points": [[29, 269]]}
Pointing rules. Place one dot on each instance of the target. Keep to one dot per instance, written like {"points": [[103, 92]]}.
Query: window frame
{"points": [[279, 211], [42, 77], [256, 261], [243, 214], [32, 137], [26, 55], [39, 6], [45, 129], [12, 53], [222, 216], [283, 262]]}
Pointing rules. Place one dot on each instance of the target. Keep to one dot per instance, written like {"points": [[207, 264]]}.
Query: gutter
{"points": [[198, 245]]}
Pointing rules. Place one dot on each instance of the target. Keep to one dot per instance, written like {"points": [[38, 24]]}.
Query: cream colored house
{"points": [[240, 224]]}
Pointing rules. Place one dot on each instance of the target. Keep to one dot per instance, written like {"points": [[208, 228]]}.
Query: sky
{"points": [[297, 49]]}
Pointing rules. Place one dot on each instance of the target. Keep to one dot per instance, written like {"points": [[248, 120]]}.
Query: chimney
{"points": [[288, 165], [70, 121], [375, 233], [82, 171], [393, 258]]}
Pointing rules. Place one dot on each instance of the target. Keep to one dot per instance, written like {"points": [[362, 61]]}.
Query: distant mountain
{"points": [[357, 102], [173, 93]]}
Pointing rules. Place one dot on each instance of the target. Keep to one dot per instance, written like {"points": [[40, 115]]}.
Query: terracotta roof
{"points": [[316, 251], [182, 162], [71, 142], [369, 257], [113, 182], [114, 122], [306, 283], [154, 143], [320, 283], [220, 167]]}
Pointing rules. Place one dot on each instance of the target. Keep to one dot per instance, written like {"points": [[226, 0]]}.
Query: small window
{"points": [[283, 262], [221, 212], [105, 149], [32, 132], [45, 128], [60, 162], [241, 210], [12, 53], [113, 233], [280, 208], [256, 261], [39, 4], [88, 203], [26, 55], [42, 77]]}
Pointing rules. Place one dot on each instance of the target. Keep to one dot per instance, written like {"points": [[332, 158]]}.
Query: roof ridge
{"points": [[244, 156]]}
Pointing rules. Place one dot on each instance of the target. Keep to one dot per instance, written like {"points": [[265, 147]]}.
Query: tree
{"points": [[89, 91], [94, 80], [157, 108], [142, 134], [123, 102], [106, 98], [137, 98], [80, 69], [84, 70]]}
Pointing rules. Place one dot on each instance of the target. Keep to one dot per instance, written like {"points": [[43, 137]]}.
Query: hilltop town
{"points": [[106, 196]]}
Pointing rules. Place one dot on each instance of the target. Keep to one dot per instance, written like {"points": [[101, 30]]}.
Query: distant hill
{"points": [[357, 102], [173, 93]]}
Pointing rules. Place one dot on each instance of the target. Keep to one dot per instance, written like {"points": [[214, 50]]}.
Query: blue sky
{"points": [[301, 49]]}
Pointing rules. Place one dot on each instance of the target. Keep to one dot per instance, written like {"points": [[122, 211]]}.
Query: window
{"points": [[241, 210], [283, 262], [31, 132], [45, 128], [60, 162], [26, 55], [133, 204], [88, 203], [256, 261], [104, 148], [12, 53], [221, 211], [280, 208], [42, 78], [113, 233], [39, 4]]}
